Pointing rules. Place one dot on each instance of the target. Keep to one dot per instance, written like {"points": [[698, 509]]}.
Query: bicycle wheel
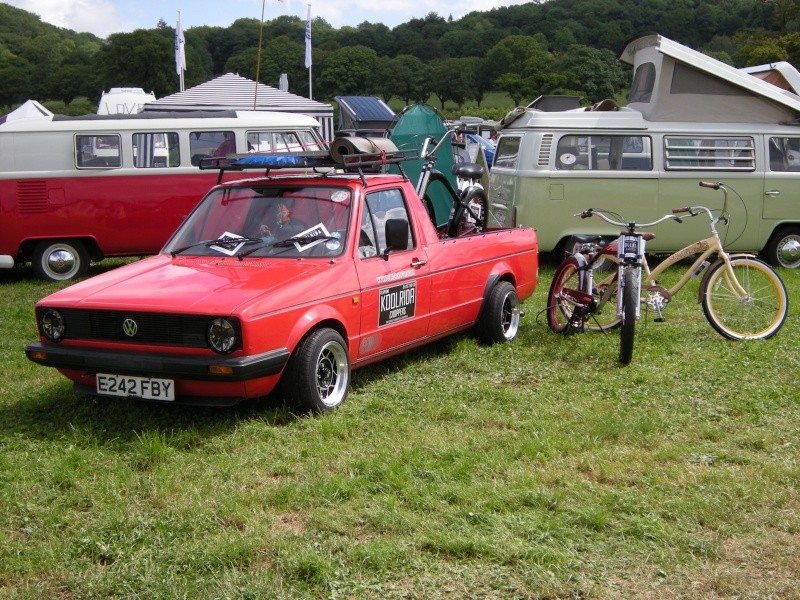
{"points": [[757, 315], [629, 302], [562, 308]]}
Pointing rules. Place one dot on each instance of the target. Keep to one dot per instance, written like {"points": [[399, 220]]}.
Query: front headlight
{"points": [[52, 325], [222, 336]]}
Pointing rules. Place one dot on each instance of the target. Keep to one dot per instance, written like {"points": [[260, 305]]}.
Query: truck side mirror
{"points": [[396, 236]]}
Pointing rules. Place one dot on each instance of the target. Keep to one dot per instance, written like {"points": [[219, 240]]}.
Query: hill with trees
{"points": [[539, 47]]}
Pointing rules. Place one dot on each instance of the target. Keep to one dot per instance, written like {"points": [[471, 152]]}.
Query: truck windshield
{"points": [[267, 220]]}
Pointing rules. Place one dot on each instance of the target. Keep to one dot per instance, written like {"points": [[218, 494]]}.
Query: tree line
{"points": [[539, 47]]}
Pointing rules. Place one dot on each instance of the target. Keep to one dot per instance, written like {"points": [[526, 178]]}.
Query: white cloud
{"points": [[99, 17]]}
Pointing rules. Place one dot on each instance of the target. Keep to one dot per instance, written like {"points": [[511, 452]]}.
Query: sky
{"points": [[103, 17]]}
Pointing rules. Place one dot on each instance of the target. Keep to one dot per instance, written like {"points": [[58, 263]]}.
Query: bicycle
{"points": [[470, 205], [742, 297]]}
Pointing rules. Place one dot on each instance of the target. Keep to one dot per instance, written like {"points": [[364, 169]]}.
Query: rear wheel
{"points": [[60, 260], [319, 373], [784, 249], [629, 302], [758, 314], [499, 320]]}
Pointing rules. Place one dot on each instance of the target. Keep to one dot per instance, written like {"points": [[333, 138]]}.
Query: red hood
{"points": [[204, 285]]}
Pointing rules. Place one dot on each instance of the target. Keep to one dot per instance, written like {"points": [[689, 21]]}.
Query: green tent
{"points": [[415, 123]]}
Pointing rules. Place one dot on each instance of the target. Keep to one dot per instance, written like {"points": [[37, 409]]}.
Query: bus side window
{"points": [[784, 154], [97, 151], [155, 150]]}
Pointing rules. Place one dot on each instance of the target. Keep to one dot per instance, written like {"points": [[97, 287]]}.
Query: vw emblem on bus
{"points": [[129, 327]]}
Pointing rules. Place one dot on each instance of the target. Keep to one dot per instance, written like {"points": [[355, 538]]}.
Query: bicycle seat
{"points": [[468, 170]]}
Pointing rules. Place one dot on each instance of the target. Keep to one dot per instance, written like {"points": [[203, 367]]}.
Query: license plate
{"points": [[128, 386]]}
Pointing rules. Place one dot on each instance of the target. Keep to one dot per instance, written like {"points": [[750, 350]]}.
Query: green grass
{"points": [[538, 469]]}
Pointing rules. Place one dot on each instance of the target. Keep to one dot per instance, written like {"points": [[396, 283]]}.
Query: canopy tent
{"points": [[30, 109], [232, 92]]}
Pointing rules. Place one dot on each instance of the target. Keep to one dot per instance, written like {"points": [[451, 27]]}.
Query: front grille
{"points": [[151, 328]]}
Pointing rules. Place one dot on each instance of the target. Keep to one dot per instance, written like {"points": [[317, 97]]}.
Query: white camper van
{"points": [[689, 118]]}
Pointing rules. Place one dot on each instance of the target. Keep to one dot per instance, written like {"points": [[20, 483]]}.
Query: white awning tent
{"points": [[31, 109], [233, 92]]}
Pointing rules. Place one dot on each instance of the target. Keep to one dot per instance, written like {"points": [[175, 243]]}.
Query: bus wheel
{"points": [[784, 248], [60, 260]]}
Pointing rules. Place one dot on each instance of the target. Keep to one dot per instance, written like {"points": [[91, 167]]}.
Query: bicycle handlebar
{"points": [[711, 184]]}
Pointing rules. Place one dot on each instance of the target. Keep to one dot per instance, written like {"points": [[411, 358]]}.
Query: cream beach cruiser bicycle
{"points": [[742, 297]]}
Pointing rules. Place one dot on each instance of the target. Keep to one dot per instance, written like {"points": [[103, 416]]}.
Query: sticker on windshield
{"points": [[315, 235], [227, 243], [397, 303]]}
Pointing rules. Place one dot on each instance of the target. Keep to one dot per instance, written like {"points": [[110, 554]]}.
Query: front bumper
{"points": [[175, 366]]}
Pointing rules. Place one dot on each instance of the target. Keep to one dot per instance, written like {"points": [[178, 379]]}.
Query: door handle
{"points": [[418, 262], [773, 193]]}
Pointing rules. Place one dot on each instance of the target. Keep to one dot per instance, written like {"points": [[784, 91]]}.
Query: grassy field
{"points": [[538, 469]]}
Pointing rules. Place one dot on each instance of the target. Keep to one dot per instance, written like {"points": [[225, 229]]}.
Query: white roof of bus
{"points": [[160, 121]]}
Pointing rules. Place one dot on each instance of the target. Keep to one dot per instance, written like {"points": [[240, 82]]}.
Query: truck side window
{"points": [[380, 207]]}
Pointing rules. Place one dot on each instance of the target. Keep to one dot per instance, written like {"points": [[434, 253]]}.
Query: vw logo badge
{"points": [[129, 327]]}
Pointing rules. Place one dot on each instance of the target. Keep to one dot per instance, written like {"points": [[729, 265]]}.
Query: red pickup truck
{"points": [[290, 280]]}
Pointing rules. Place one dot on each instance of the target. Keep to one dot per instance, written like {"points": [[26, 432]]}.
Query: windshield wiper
{"points": [[300, 239], [232, 242]]}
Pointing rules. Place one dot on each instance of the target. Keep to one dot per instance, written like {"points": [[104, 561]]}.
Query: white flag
{"points": [[308, 39], [180, 49]]}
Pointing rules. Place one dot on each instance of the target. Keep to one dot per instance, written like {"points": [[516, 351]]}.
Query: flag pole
{"points": [[258, 54], [308, 51]]}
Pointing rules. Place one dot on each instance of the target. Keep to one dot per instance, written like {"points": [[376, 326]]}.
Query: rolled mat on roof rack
{"points": [[341, 148]]}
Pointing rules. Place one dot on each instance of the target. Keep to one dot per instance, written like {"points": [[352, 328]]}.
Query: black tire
{"points": [[629, 302], [500, 316], [760, 314], [59, 260], [318, 376], [783, 249]]}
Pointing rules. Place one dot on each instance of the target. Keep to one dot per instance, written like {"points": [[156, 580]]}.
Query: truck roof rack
{"points": [[349, 155]]}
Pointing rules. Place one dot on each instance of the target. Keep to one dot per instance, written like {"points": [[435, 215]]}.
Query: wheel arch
{"points": [[317, 318], [495, 277], [28, 246]]}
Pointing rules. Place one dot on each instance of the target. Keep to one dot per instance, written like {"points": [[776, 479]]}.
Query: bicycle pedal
{"points": [[659, 320]]}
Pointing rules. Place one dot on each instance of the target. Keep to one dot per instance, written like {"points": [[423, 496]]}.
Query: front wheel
{"points": [[319, 373], [499, 319], [630, 300], [747, 302]]}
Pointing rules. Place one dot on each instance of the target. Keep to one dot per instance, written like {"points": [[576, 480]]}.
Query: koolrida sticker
{"points": [[397, 303]]}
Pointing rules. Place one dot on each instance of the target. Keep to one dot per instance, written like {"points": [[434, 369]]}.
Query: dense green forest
{"points": [[539, 47]]}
